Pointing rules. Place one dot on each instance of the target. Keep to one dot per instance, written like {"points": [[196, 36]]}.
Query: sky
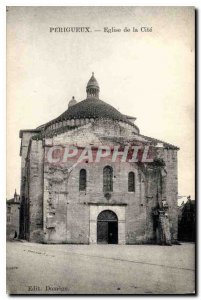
{"points": [[149, 75]]}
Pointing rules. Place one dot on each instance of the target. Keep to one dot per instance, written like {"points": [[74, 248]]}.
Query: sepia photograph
{"points": [[100, 193]]}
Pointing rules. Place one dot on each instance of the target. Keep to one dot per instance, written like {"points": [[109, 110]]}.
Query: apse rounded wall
{"points": [[81, 122]]}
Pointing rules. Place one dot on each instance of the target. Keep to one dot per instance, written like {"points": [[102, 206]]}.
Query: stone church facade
{"points": [[113, 200]]}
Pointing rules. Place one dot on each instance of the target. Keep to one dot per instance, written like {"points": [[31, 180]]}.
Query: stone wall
{"points": [[36, 191], [70, 207], [26, 136], [24, 149], [170, 158], [63, 213], [80, 122]]}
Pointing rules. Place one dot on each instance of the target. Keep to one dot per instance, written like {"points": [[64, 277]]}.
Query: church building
{"points": [[89, 176]]}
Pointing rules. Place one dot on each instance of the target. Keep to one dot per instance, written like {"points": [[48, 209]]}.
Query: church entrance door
{"points": [[107, 228]]}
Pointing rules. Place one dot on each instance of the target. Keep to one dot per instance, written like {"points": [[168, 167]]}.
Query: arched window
{"points": [[83, 180], [108, 179], [131, 182]]}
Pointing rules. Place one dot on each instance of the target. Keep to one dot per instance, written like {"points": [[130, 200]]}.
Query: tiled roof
{"points": [[166, 145], [12, 201], [138, 138], [54, 132], [91, 108]]}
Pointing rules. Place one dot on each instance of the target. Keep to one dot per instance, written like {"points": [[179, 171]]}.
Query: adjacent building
{"points": [[187, 221], [12, 216]]}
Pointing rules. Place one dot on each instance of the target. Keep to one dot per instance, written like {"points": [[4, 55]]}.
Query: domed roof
{"points": [[92, 108]]}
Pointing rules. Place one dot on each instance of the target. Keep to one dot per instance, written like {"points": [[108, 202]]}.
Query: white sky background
{"points": [[147, 75]]}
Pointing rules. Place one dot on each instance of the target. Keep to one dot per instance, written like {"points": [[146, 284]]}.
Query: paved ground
{"points": [[99, 269]]}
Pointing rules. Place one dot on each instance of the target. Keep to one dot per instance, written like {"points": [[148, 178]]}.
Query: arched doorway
{"points": [[107, 228]]}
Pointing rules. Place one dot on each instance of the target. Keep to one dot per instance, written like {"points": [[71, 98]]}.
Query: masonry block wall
{"points": [[170, 158], [36, 191], [60, 213], [24, 149]]}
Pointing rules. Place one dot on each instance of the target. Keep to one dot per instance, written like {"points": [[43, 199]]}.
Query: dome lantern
{"points": [[72, 102], [92, 88]]}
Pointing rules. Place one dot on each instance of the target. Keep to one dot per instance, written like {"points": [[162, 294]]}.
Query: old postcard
{"points": [[100, 150]]}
